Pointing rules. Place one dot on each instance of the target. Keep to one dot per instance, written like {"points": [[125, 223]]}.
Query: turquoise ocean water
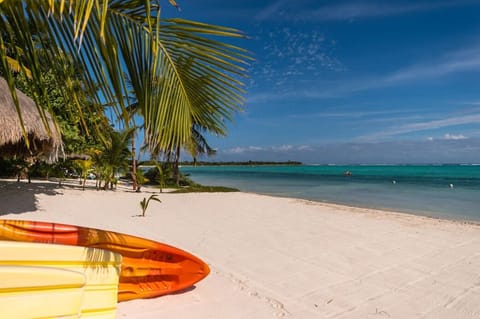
{"points": [[422, 190]]}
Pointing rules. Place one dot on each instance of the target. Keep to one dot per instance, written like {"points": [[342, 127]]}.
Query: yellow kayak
{"points": [[101, 269], [25, 292]]}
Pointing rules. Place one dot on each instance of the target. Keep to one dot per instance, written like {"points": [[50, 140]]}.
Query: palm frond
{"points": [[178, 72]]}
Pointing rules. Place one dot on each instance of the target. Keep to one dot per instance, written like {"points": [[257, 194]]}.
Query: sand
{"points": [[280, 258]]}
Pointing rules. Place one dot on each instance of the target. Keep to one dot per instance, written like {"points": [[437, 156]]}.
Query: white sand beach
{"points": [[278, 257]]}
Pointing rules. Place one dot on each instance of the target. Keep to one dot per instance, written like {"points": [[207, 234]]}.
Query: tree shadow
{"points": [[20, 197]]}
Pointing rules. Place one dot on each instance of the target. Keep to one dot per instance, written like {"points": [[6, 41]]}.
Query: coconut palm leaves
{"points": [[122, 46], [144, 203], [114, 157], [85, 166]]}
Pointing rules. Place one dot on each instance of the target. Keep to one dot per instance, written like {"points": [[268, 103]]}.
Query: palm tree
{"points": [[85, 165], [196, 147], [117, 42], [144, 203], [199, 145], [114, 157], [56, 100], [209, 119]]}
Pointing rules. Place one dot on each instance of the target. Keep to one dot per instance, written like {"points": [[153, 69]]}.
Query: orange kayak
{"points": [[149, 269]]}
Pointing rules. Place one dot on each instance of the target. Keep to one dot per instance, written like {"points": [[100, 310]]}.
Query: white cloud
{"points": [[305, 148], [429, 138], [282, 148], [241, 150], [425, 126], [459, 61], [277, 94], [348, 10], [452, 121], [270, 10], [258, 149], [235, 150], [454, 137], [436, 151], [466, 60], [356, 10], [289, 54]]}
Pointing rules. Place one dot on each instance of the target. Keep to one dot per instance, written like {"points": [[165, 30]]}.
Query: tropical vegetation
{"points": [[144, 203], [196, 188], [119, 59]]}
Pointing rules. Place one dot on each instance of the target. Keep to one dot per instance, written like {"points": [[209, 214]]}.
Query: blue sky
{"points": [[353, 81]]}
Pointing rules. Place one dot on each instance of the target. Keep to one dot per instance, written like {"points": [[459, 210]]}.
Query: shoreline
{"points": [[147, 189], [335, 205], [276, 257], [437, 192]]}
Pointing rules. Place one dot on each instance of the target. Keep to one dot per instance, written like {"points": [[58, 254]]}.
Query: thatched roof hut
{"points": [[43, 141]]}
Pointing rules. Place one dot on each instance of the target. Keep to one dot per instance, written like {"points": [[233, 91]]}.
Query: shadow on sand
{"points": [[20, 197]]}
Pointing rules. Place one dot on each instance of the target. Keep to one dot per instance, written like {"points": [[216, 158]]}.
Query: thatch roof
{"points": [[43, 141]]}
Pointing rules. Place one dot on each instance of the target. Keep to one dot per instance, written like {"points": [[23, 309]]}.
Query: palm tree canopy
{"points": [[123, 46], [44, 138]]}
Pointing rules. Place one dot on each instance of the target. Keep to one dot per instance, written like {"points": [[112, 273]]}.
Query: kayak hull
{"points": [[149, 269], [93, 270]]}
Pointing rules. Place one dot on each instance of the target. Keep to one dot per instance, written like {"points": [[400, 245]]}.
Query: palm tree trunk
{"points": [[134, 164], [176, 170]]}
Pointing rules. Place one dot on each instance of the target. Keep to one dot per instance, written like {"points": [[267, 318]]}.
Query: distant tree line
{"points": [[231, 163]]}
